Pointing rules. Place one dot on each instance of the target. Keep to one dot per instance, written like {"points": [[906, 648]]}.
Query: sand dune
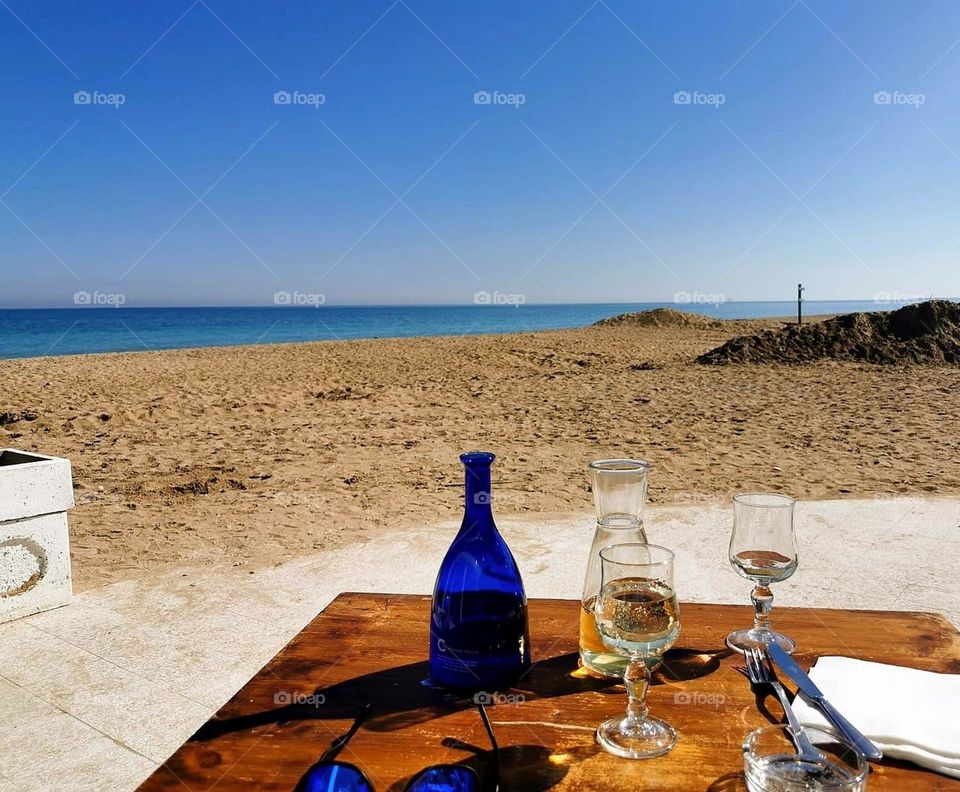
{"points": [[927, 332], [253, 455]]}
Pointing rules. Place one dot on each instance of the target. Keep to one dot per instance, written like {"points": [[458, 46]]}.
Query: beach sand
{"points": [[255, 455]]}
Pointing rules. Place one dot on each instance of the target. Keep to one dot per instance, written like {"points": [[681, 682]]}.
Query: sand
{"points": [[256, 455]]}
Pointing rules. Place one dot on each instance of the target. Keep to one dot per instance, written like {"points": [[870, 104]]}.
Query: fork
{"points": [[760, 672]]}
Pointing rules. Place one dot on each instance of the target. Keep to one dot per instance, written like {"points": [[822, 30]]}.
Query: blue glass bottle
{"points": [[479, 634]]}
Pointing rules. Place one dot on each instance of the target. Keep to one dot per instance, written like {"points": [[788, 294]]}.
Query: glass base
{"points": [[652, 738], [741, 640]]}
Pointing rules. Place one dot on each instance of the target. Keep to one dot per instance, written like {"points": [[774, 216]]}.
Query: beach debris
{"points": [[206, 485], [7, 418], [927, 332], [341, 394]]}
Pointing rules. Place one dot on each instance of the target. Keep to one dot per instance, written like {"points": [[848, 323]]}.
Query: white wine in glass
{"points": [[637, 617]]}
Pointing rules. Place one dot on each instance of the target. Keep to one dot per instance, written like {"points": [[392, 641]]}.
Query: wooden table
{"points": [[367, 647]]}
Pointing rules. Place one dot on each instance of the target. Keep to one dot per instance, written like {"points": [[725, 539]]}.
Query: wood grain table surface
{"points": [[372, 647]]}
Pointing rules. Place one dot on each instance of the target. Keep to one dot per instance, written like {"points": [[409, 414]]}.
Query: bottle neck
{"points": [[477, 495]]}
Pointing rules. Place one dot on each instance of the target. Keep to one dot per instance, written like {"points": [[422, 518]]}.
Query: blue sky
{"points": [[586, 177]]}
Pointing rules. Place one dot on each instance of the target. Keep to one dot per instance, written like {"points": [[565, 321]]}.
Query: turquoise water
{"points": [[70, 331]]}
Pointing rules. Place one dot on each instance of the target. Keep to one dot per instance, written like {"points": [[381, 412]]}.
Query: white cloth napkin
{"points": [[907, 713]]}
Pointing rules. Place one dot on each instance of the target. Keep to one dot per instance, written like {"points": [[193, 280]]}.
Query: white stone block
{"points": [[35, 493]]}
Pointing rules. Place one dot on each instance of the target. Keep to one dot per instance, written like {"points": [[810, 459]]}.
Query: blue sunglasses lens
{"points": [[336, 778], [446, 779]]}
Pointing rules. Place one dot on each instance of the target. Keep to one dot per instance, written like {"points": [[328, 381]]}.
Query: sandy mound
{"points": [[659, 317], [927, 332]]}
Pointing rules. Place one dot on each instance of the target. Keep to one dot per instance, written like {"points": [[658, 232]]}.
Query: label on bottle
{"points": [[479, 640]]}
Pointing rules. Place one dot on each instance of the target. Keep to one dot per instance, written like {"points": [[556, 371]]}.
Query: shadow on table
{"points": [[682, 665], [401, 698], [760, 695]]}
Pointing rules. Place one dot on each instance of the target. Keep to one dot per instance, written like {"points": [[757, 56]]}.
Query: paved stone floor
{"points": [[96, 694]]}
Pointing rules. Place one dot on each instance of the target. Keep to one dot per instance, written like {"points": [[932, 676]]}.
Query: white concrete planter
{"points": [[35, 493]]}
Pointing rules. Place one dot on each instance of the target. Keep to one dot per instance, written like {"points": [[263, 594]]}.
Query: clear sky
{"points": [[627, 151]]}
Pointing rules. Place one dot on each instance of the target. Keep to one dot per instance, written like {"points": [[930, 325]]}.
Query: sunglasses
{"points": [[331, 775]]}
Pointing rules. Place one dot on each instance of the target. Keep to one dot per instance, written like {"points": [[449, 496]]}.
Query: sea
{"points": [[39, 332]]}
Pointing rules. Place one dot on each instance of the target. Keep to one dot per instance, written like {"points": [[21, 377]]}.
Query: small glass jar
{"points": [[619, 494], [771, 763]]}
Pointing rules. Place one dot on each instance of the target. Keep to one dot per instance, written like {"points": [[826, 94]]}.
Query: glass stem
{"points": [[636, 679], [762, 603]]}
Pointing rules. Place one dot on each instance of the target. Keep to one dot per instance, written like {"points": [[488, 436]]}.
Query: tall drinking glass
{"points": [[619, 491], [619, 494], [763, 548], [637, 617]]}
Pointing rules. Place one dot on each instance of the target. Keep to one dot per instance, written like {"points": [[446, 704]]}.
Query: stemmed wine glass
{"points": [[763, 548], [637, 617]]}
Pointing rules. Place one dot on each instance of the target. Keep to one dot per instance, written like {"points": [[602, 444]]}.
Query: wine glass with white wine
{"points": [[763, 548], [638, 617]]}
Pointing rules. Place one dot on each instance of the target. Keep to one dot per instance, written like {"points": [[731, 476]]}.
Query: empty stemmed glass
{"points": [[763, 548], [637, 617]]}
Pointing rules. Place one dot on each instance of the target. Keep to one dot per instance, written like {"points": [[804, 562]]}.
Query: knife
{"points": [[815, 696]]}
